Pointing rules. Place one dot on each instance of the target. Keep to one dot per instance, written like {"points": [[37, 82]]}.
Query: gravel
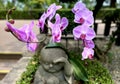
{"points": [[114, 65]]}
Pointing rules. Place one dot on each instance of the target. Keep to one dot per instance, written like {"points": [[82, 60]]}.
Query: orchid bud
{"points": [[7, 29], [11, 21]]}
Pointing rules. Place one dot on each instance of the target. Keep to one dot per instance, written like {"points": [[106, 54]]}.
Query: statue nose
{"points": [[51, 65]]}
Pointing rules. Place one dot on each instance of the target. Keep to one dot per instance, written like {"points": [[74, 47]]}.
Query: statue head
{"points": [[53, 59]]}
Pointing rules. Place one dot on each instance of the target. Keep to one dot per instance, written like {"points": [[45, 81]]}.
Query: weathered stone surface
{"points": [[16, 72], [54, 68]]}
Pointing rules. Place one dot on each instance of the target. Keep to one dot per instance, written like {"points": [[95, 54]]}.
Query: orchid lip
{"points": [[90, 56], [81, 20], [82, 36]]}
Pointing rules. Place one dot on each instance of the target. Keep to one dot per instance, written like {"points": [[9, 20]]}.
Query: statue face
{"points": [[53, 59], [50, 66]]}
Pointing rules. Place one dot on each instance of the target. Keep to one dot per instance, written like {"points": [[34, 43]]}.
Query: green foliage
{"points": [[36, 13], [97, 74], [2, 6], [79, 70], [27, 76], [105, 12], [3, 14], [31, 14], [117, 14]]}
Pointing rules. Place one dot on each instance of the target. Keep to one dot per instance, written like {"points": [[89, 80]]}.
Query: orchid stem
{"points": [[9, 12]]}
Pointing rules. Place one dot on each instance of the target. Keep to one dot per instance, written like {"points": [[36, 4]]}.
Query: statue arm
{"points": [[68, 70]]}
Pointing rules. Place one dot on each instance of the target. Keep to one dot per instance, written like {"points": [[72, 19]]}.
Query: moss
{"points": [[28, 75], [97, 73]]}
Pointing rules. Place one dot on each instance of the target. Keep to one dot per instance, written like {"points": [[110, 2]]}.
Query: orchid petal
{"points": [[87, 52], [64, 23], [50, 24], [76, 32], [85, 30], [32, 46], [42, 21], [52, 10], [20, 35], [84, 17], [58, 7], [90, 34], [78, 7], [56, 34], [25, 34], [57, 18], [89, 43]]}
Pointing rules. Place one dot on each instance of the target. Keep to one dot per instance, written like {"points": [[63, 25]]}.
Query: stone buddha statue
{"points": [[54, 67]]}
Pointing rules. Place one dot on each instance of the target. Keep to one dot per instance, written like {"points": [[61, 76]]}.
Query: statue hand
{"points": [[61, 59]]}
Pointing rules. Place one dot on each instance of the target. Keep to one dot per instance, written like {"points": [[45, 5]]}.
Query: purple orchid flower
{"points": [[49, 14], [88, 43], [57, 21], [55, 28], [58, 27], [32, 45], [78, 7], [25, 34], [52, 10], [87, 53], [84, 17], [42, 21], [83, 32], [63, 23], [56, 34]]}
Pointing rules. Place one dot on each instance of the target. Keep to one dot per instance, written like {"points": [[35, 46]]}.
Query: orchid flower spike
{"points": [[79, 6]]}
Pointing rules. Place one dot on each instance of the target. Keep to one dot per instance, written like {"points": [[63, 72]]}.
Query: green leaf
{"points": [[54, 45], [79, 70], [110, 56]]}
